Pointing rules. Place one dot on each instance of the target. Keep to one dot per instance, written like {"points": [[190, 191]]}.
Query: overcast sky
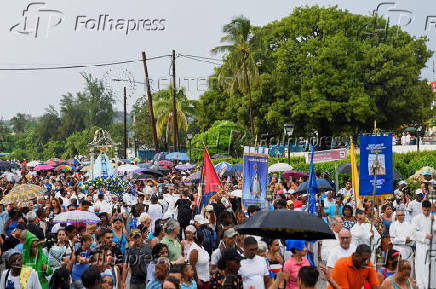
{"points": [[67, 34]]}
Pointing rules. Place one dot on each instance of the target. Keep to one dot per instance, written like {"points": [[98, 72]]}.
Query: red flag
{"points": [[25, 164], [210, 183]]}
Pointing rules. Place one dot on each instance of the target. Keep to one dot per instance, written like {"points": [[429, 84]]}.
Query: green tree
{"points": [[49, 125], [239, 63], [19, 122], [73, 113], [142, 124], [333, 71], [163, 110]]}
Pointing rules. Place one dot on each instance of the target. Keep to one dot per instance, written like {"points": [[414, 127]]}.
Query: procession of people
{"points": [[152, 235]]}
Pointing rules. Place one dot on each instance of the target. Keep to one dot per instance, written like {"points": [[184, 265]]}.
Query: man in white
{"points": [[336, 224], [415, 207], [344, 249], [365, 233], [422, 235], [253, 270], [401, 234]]}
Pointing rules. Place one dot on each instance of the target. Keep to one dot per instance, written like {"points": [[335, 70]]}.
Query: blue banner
{"points": [[312, 188], [255, 179], [375, 157]]}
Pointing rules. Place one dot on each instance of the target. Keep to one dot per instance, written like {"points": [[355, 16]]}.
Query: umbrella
{"points": [[177, 156], [233, 170], [144, 165], [127, 168], [218, 156], [73, 162], [279, 167], [149, 171], [236, 193], [11, 177], [160, 168], [33, 164], [43, 168], [141, 177], [346, 169], [322, 185], [165, 163], [4, 165], [194, 177], [64, 168], [286, 224], [221, 166], [85, 169], [76, 217], [22, 193], [185, 167], [295, 174]]}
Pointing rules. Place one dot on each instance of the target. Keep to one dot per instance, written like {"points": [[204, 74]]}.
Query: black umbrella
{"points": [[160, 168], [286, 224], [153, 172], [346, 169], [4, 165], [322, 185], [142, 177]]}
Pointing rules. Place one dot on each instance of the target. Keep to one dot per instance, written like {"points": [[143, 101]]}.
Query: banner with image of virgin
{"points": [[376, 158], [255, 177]]}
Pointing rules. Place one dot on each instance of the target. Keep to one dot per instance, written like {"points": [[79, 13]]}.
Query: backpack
{"points": [[209, 239]]}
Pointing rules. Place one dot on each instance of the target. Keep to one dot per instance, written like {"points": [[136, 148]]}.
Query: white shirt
{"points": [[130, 200], [421, 226], [32, 282], [361, 234], [155, 212], [171, 200], [327, 246], [339, 252], [398, 233], [253, 272], [202, 265], [414, 208]]}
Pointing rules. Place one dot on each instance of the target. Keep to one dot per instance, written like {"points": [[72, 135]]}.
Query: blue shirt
{"points": [[331, 211], [193, 285], [154, 284], [78, 268]]}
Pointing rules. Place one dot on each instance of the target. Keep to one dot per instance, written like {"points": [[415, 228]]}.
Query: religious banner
{"points": [[255, 177], [376, 163]]}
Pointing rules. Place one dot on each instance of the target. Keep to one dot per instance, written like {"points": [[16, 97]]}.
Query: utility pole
{"points": [[150, 104], [176, 134], [125, 123]]}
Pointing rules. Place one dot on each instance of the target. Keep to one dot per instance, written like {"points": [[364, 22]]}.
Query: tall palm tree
{"points": [[162, 103], [239, 62]]}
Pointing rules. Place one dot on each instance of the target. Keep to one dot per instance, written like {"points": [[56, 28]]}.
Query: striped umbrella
{"points": [[64, 168], [22, 193]]}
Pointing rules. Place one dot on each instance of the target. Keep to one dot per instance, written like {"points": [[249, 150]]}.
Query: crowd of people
{"points": [[152, 236]]}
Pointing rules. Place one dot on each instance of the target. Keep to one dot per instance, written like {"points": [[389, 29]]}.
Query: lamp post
{"points": [[189, 137], [289, 130], [418, 128]]}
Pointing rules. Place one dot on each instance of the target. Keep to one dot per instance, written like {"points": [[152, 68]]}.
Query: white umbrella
{"points": [[33, 164], [237, 193], [76, 217], [11, 177], [279, 167], [127, 168]]}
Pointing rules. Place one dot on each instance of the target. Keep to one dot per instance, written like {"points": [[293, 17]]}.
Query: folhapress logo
{"points": [[37, 20]]}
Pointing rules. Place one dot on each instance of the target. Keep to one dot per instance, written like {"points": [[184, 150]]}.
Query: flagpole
{"points": [[352, 177]]}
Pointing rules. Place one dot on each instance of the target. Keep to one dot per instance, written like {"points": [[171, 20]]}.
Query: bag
{"points": [[209, 239]]}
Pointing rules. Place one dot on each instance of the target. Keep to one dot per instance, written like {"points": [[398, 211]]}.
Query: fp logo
{"points": [[37, 20]]}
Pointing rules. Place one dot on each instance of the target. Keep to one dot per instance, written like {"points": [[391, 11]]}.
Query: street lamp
{"points": [[418, 128], [189, 137], [289, 130]]}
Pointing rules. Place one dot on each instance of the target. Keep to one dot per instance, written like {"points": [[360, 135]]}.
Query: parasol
{"points": [[165, 163], [322, 185], [127, 168], [295, 174], [185, 167], [22, 193], [279, 167], [33, 164], [286, 224], [76, 217], [177, 156], [43, 168]]}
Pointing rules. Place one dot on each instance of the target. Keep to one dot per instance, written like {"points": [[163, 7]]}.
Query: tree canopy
{"points": [[329, 70]]}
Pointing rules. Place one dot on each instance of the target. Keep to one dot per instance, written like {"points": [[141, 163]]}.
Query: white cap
{"points": [[209, 208], [197, 218], [203, 221], [167, 215], [402, 183]]}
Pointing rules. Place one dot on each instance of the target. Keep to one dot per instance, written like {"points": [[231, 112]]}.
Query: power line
{"points": [[209, 58], [199, 60], [79, 65]]}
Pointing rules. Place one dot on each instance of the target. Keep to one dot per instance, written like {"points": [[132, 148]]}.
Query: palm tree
{"points": [[239, 62], [162, 103]]}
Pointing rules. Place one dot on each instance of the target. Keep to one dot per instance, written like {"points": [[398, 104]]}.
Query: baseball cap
{"points": [[197, 218], [426, 173], [296, 244], [230, 233], [402, 183], [231, 254], [154, 198], [11, 253], [136, 233], [209, 208]]}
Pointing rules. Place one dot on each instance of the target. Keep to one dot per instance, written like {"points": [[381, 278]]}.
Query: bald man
{"points": [[344, 249]]}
